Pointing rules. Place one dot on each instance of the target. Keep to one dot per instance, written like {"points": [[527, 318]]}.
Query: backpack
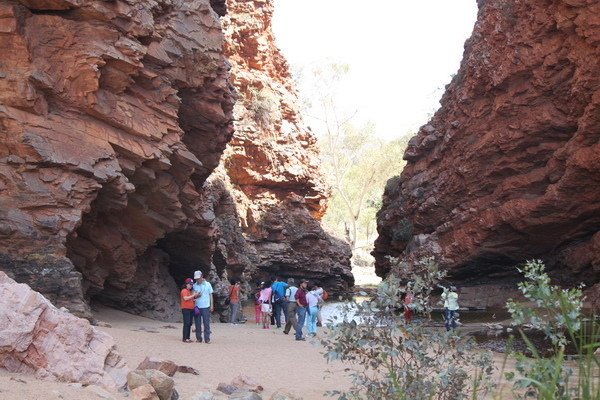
{"points": [[324, 295], [277, 298]]}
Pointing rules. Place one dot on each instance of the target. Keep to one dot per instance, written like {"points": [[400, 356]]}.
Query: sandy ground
{"points": [[271, 358]]}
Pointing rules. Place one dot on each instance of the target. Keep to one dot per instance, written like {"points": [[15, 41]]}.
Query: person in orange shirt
{"points": [[187, 308], [234, 302]]}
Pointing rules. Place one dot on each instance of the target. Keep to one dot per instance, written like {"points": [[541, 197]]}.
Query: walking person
{"points": [[234, 302], [301, 307], [312, 298], [290, 306], [278, 287], [205, 304], [187, 308], [265, 304], [319, 291], [450, 298]]}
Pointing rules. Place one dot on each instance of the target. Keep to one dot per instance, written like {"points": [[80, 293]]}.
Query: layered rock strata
{"points": [[40, 339], [508, 169], [272, 163], [112, 115]]}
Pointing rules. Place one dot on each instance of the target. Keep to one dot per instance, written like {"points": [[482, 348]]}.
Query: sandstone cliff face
{"points": [[112, 115], [509, 168], [272, 163]]}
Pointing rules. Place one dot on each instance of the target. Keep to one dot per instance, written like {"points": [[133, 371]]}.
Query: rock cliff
{"points": [[508, 168], [272, 164], [113, 116]]}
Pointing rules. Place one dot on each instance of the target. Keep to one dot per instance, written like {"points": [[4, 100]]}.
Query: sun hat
{"points": [[197, 274]]}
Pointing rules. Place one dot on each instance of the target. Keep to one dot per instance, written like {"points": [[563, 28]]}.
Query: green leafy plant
{"points": [[395, 360], [558, 314]]}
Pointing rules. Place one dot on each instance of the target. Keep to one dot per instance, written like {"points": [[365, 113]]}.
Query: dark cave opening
{"points": [[188, 250]]}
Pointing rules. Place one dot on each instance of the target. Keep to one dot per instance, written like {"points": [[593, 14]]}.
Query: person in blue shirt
{"points": [[278, 288], [204, 302]]}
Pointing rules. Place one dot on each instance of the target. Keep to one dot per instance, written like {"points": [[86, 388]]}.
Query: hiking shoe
{"points": [[301, 339], [207, 341]]}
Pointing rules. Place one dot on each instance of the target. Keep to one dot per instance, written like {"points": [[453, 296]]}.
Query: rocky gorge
{"points": [[508, 169], [141, 140]]}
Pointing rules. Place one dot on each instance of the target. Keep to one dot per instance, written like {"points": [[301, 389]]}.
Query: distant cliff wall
{"points": [[272, 162], [508, 169]]}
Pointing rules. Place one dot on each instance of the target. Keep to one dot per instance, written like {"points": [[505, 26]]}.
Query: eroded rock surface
{"points": [[509, 168], [112, 115], [37, 338], [271, 164]]}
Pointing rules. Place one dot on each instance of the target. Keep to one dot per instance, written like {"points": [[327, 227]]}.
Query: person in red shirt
{"points": [[187, 308], [301, 307]]}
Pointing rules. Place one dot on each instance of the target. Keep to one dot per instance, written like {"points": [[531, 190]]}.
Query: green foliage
{"points": [[557, 313], [394, 360], [356, 162]]}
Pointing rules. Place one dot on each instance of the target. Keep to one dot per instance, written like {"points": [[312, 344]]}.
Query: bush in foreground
{"points": [[394, 360]]}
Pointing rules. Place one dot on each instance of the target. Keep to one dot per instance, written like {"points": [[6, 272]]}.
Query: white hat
{"points": [[197, 274]]}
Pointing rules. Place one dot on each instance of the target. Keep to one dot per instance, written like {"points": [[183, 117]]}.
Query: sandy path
{"points": [[271, 358]]}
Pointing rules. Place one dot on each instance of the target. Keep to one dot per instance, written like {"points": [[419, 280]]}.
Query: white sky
{"points": [[401, 53]]}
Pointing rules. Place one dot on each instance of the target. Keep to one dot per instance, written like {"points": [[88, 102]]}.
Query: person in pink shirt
{"points": [[257, 305], [265, 304]]}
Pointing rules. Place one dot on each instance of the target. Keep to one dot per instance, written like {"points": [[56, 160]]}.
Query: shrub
{"points": [[557, 313], [394, 360], [263, 104]]}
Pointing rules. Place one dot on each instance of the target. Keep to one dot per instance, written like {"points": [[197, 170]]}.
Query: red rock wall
{"points": [[272, 163], [508, 169], [114, 115]]}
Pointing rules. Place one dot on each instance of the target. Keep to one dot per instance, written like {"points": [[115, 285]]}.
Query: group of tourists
{"points": [[276, 302], [299, 305]]}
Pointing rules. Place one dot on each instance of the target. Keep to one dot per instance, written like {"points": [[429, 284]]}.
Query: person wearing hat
{"points": [[187, 308], [204, 302], [450, 298], [301, 307]]}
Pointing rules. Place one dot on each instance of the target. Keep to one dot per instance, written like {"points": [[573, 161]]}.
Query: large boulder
{"points": [[37, 338]]}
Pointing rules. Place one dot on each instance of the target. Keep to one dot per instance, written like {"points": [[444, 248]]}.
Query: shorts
{"points": [[265, 307]]}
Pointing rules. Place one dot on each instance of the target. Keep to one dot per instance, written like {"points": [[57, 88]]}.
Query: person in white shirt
{"points": [[205, 304], [450, 298], [290, 306], [313, 301], [319, 292]]}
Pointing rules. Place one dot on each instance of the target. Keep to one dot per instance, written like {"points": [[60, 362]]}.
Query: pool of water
{"points": [[466, 316]]}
